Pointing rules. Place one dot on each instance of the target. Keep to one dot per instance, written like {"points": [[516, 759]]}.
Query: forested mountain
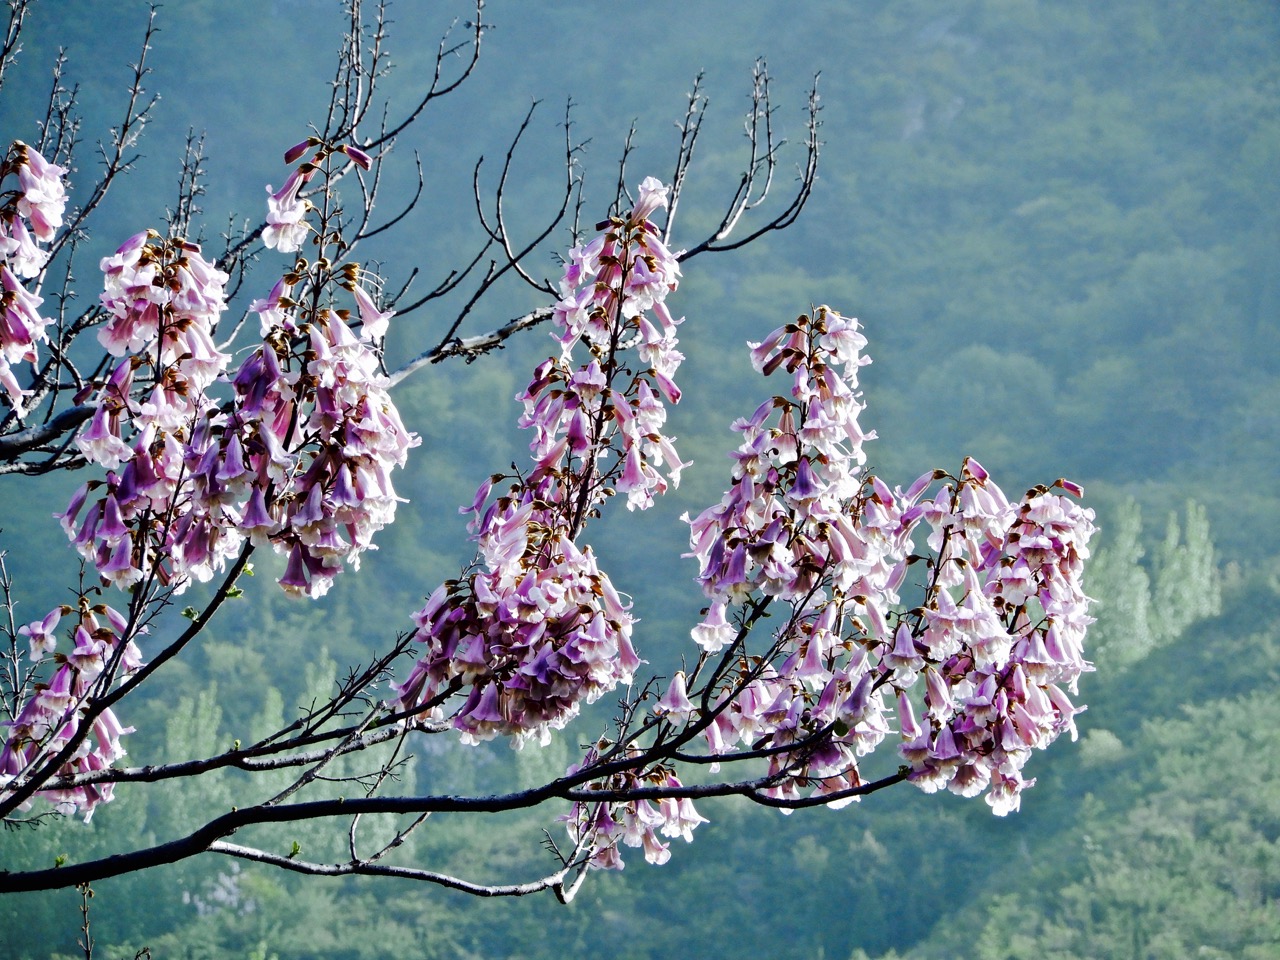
{"points": [[1059, 224]]}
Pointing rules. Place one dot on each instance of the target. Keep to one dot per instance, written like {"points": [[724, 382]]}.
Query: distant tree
{"points": [[1188, 870], [1139, 611], [1187, 584], [943, 617], [1122, 588]]}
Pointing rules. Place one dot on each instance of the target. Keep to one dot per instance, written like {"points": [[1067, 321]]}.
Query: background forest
{"points": [[1059, 224]]}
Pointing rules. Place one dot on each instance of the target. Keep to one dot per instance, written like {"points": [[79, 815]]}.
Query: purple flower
{"points": [[40, 634], [43, 194], [360, 158], [286, 227], [298, 149], [373, 322], [674, 703], [653, 196]]}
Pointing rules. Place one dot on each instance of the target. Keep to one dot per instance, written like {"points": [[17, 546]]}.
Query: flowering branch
{"points": [[207, 446]]}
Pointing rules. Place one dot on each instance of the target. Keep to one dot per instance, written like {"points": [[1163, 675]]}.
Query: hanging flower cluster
{"points": [[800, 524], [299, 455], [998, 632], [29, 216], [53, 714], [998, 653], [321, 438], [318, 433], [155, 428], [539, 628], [604, 825]]}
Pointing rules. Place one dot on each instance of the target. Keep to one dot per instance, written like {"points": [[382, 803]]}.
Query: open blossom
{"points": [[44, 197], [286, 228], [272, 312], [19, 249], [40, 634], [21, 325]]}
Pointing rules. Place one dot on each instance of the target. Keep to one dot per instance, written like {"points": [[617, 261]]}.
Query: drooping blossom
{"points": [[602, 827], [325, 438], [19, 249], [44, 196], [21, 328], [373, 322], [296, 449], [155, 513]]}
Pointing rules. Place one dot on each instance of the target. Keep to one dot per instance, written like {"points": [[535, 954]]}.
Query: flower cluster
{"points": [[52, 716], [539, 628], [163, 507], [785, 518], [601, 826], [29, 216], [318, 433], [998, 653], [295, 448], [999, 628], [321, 436], [604, 419], [801, 525], [298, 455]]}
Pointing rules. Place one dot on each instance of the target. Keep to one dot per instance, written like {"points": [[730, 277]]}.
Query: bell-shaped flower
{"points": [[674, 704], [373, 322], [19, 250], [44, 196], [904, 659], [286, 224], [653, 196]]}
